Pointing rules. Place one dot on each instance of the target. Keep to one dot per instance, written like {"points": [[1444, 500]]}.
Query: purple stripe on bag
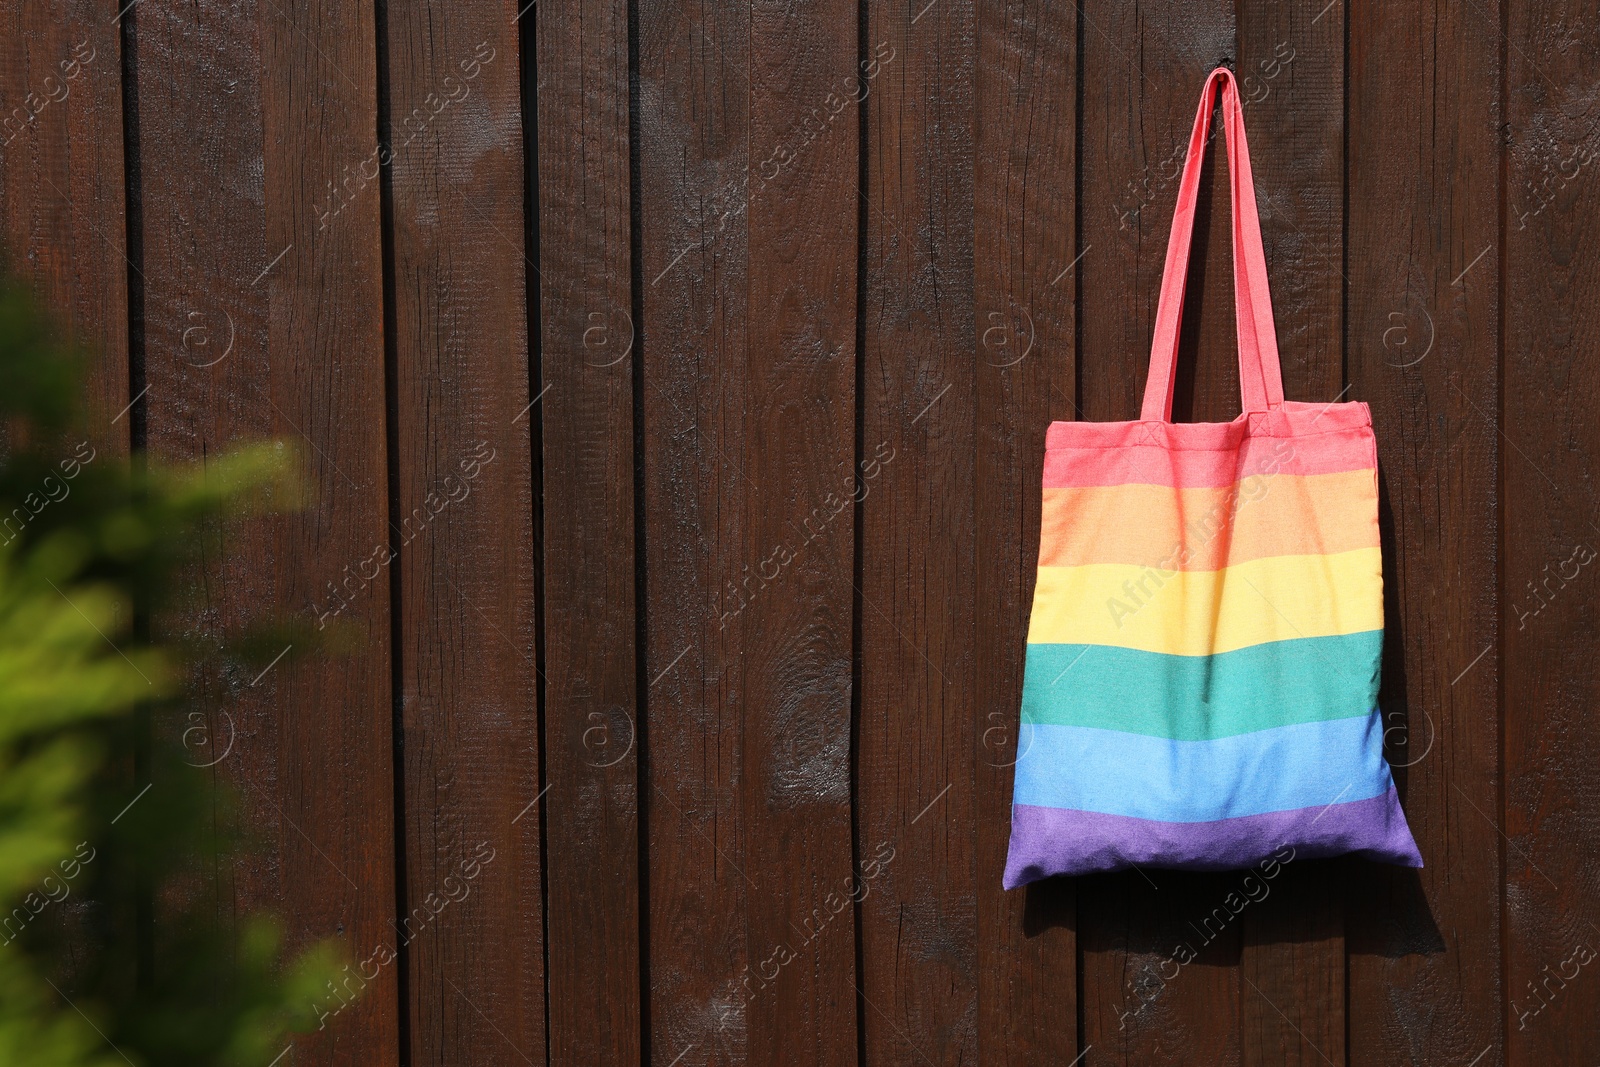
{"points": [[1048, 841]]}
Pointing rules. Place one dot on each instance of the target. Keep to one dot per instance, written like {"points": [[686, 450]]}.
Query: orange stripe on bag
{"points": [[1209, 529]]}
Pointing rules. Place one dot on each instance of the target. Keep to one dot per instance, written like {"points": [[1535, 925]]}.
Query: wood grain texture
{"points": [[829, 322], [1422, 339], [1160, 977], [63, 221], [917, 740], [1547, 615], [591, 711], [245, 116], [798, 433], [463, 530], [1291, 77], [696, 183], [1025, 280]]}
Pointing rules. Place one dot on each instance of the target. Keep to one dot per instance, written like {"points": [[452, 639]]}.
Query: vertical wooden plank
{"points": [[587, 412], [1291, 76], [61, 183], [1424, 946], [1160, 974], [798, 432], [1552, 740], [698, 192], [463, 529], [1024, 279], [247, 118], [916, 738]]}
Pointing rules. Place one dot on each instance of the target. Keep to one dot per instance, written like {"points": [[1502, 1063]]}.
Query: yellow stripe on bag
{"points": [[1198, 613]]}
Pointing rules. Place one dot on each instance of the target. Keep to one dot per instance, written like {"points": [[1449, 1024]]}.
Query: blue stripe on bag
{"points": [[1115, 773]]}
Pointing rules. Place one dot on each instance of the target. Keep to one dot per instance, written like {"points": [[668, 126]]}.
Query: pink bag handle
{"points": [[1260, 379]]}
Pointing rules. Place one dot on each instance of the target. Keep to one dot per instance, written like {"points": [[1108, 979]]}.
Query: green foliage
{"points": [[117, 941]]}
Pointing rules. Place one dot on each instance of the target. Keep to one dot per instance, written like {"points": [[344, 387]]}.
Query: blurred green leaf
{"points": [[115, 946]]}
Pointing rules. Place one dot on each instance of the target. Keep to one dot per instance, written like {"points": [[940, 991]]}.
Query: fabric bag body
{"points": [[1207, 628]]}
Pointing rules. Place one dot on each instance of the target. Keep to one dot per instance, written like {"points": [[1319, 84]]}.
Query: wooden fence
{"points": [[673, 379]]}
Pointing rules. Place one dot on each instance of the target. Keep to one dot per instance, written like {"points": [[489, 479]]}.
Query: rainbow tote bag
{"points": [[1202, 664]]}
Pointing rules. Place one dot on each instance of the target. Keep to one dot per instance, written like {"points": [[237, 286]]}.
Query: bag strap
{"points": [[1260, 378]]}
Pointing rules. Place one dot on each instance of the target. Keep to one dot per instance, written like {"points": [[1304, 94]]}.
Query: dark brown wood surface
{"points": [[62, 182], [917, 734], [797, 454], [1025, 282], [1421, 347], [671, 383], [694, 160], [584, 410], [1552, 533], [263, 318], [462, 527]]}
